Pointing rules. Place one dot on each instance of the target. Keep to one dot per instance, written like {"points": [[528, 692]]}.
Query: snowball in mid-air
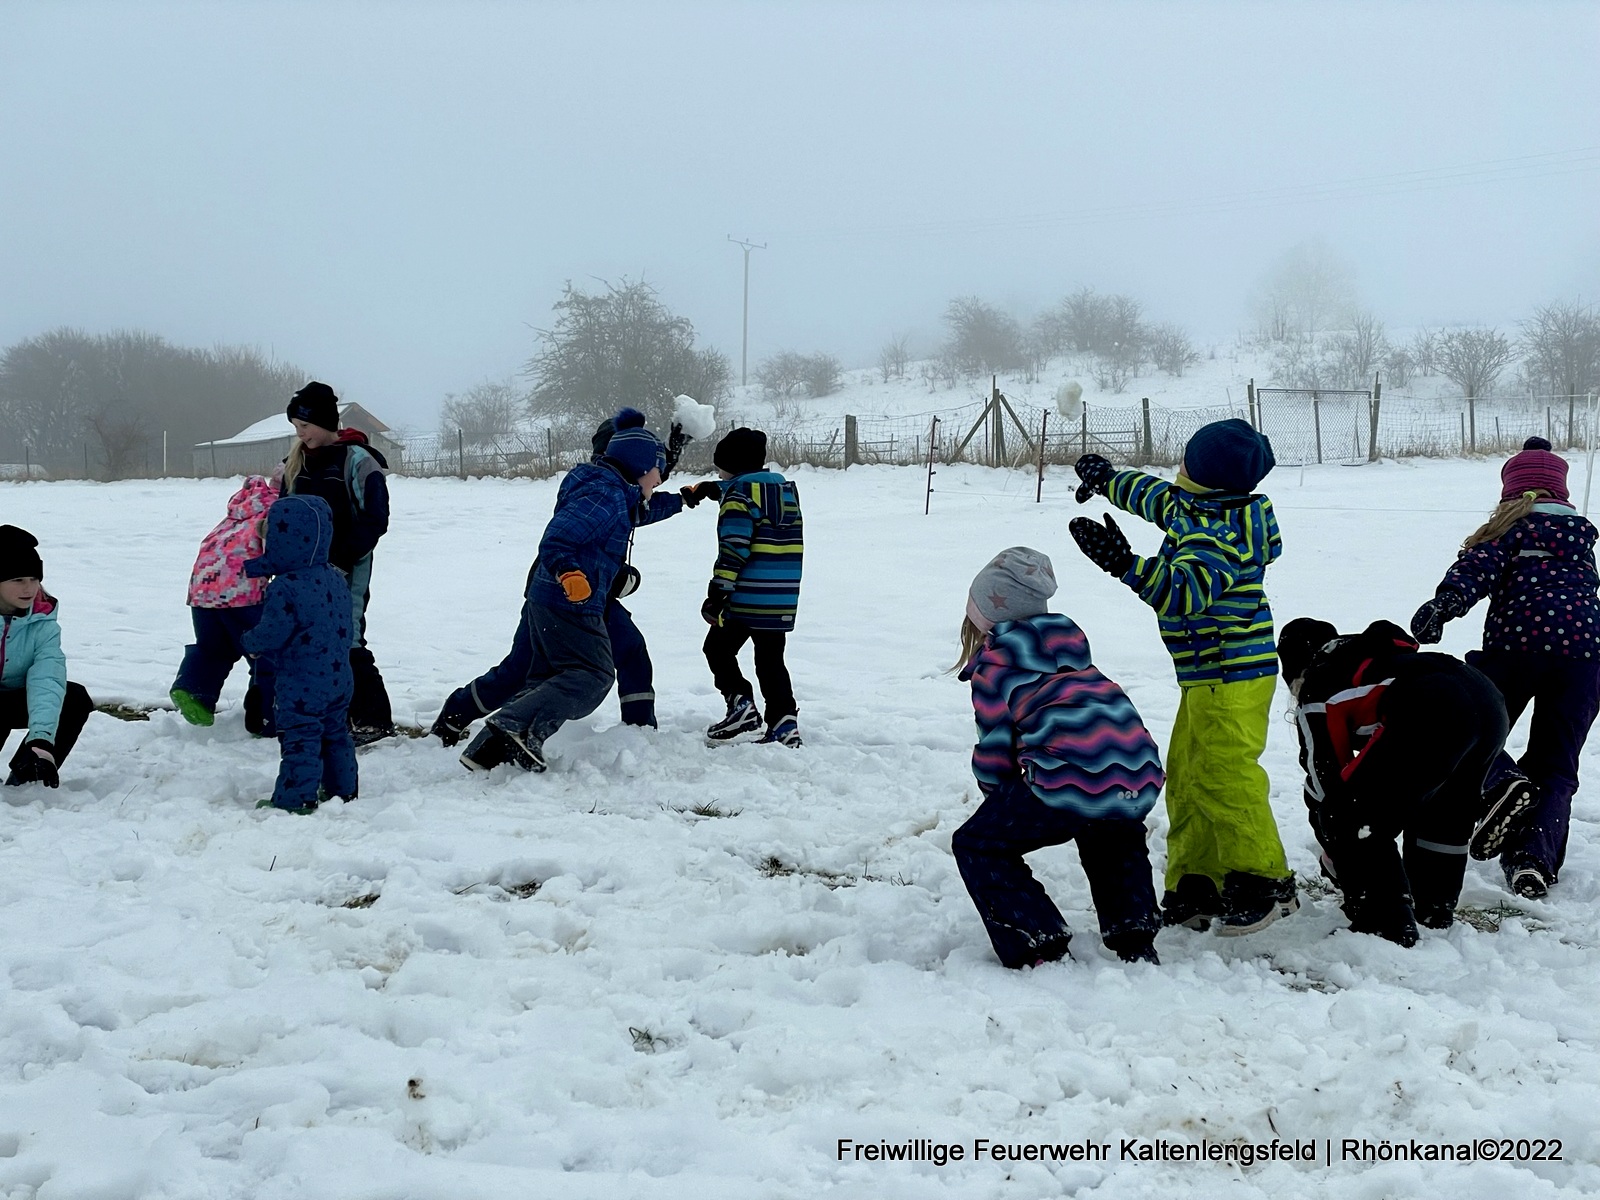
{"points": [[698, 420], [1069, 399]]}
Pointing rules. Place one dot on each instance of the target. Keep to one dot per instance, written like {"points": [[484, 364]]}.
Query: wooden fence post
{"points": [[852, 441]]}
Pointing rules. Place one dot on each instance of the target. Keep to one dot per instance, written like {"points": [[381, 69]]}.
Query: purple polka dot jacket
{"points": [[1541, 582]]}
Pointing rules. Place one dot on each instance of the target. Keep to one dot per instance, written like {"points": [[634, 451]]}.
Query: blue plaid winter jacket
{"points": [[595, 510]]}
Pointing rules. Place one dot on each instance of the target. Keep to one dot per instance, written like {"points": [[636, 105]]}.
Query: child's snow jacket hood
{"points": [[299, 535]]}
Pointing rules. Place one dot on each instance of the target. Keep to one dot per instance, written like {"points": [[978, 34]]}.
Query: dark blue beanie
{"points": [[633, 447], [1228, 456]]}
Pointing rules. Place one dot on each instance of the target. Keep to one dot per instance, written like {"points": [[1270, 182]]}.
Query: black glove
{"points": [[1103, 545], [694, 493], [676, 440], [1427, 624], [716, 602], [35, 762], [1096, 474]]}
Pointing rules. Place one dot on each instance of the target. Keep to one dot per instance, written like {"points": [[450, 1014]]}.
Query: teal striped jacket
{"points": [[1206, 583], [760, 544]]}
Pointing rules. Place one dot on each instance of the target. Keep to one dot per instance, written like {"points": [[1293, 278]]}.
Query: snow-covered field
{"points": [[663, 969]]}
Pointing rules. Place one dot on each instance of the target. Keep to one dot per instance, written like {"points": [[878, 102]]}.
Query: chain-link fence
{"points": [[1325, 427]]}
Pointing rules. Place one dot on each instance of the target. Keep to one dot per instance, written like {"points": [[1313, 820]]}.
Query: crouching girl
{"points": [[1061, 756]]}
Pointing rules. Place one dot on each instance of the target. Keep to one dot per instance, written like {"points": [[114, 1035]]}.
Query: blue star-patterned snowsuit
{"points": [[304, 632]]}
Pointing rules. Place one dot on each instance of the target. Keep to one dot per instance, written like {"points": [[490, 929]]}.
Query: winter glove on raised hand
{"points": [[710, 489], [716, 603], [1096, 474], [1427, 624], [676, 440], [1103, 545], [576, 585], [36, 763]]}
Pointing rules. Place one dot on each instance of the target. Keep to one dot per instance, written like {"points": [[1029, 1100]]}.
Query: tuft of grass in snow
{"points": [[1489, 918], [646, 1042], [363, 901], [707, 808]]}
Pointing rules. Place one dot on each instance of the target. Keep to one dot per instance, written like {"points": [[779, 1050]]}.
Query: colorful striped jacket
{"points": [[760, 545], [1206, 583], [1047, 715]]}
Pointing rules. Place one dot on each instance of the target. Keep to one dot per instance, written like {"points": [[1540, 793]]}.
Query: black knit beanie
{"points": [[1298, 643], [741, 451], [19, 554], [315, 404]]}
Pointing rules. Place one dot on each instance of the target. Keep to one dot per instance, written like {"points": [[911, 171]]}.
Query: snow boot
{"points": [[1252, 902], [783, 732], [526, 750], [1504, 803], [488, 750], [1393, 920], [299, 810], [742, 718], [1051, 947], [1528, 880], [1134, 947], [1193, 904], [193, 711]]}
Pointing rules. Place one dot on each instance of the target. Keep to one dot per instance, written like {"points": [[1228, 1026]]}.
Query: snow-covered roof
{"points": [[270, 429]]}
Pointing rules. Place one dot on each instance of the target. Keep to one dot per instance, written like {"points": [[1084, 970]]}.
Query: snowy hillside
{"points": [[664, 969]]}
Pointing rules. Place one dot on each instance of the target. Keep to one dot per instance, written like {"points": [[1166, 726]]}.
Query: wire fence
{"points": [[1305, 428]]}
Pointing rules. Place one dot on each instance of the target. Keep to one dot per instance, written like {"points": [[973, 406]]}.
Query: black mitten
{"points": [[676, 440], [1103, 545], [1427, 624], [716, 603], [1096, 473], [710, 489]]}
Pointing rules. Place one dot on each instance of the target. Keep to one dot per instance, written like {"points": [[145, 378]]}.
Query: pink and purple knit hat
{"points": [[1535, 468]]}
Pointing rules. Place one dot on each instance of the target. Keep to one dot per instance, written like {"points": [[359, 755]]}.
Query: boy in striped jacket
{"points": [[1224, 856], [1061, 756], [754, 590]]}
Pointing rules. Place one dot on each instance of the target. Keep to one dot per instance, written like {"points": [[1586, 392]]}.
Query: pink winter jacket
{"points": [[219, 580]]}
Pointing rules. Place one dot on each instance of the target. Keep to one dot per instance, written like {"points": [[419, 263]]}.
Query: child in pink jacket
{"points": [[225, 604]]}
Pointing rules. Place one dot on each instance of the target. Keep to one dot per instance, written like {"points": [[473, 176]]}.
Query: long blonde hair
{"points": [[293, 465], [972, 639], [1506, 514]]}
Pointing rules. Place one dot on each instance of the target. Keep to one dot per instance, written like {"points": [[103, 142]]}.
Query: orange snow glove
{"points": [[576, 585]]}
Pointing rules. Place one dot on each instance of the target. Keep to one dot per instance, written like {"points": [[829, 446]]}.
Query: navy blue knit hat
{"points": [[633, 447], [1228, 456], [316, 404]]}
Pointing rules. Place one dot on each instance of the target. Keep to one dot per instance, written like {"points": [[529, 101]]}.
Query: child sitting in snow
{"points": [[34, 692], [1534, 560], [304, 632], [224, 604], [1206, 584], [754, 590], [1061, 756], [1394, 744]]}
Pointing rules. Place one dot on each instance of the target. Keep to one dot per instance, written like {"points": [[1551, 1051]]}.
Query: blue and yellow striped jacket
{"points": [[1206, 583], [760, 543]]}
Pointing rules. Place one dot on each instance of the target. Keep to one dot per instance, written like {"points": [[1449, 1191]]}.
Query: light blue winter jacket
{"points": [[31, 658]]}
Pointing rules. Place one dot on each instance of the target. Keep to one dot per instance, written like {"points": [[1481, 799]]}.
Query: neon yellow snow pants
{"points": [[1217, 809]]}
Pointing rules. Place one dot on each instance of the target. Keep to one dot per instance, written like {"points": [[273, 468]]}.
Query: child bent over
{"points": [[754, 590], [1394, 744], [1061, 756], [305, 631], [1206, 584], [225, 603]]}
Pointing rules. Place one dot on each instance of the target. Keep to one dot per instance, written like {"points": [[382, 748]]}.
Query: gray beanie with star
{"points": [[1017, 583]]}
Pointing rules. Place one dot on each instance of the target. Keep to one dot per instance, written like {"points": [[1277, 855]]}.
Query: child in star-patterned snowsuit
{"points": [[305, 630]]}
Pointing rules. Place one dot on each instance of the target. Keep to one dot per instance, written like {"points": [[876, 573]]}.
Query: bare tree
{"points": [[1308, 289], [822, 373], [782, 374], [619, 347], [1171, 350], [1472, 359], [1562, 347], [893, 357], [1359, 350], [120, 433], [982, 338], [1398, 365], [484, 414], [1425, 351]]}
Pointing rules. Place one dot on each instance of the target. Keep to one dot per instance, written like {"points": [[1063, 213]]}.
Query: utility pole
{"points": [[744, 340]]}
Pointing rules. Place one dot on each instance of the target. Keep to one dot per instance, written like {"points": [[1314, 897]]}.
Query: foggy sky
{"points": [[392, 195]]}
